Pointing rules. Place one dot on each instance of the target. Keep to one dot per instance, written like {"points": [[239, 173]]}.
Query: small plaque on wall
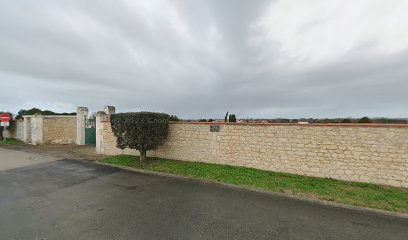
{"points": [[214, 128]]}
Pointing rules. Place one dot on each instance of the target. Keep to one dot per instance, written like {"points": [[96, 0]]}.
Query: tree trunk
{"points": [[142, 155], [1, 133]]}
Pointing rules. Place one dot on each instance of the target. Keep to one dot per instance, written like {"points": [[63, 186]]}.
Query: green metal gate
{"points": [[90, 131], [90, 136]]}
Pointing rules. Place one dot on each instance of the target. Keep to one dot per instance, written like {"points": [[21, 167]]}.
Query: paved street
{"points": [[66, 199], [10, 159]]}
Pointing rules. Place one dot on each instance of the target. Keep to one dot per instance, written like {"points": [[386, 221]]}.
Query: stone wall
{"points": [[33, 128], [59, 129], [364, 153], [16, 130], [47, 129], [44, 129]]}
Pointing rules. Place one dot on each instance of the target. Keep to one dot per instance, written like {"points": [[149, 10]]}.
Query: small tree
{"points": [[364, 120], [226, 117], [1, 129], [142, 131], [232, 118], [174, 118]]}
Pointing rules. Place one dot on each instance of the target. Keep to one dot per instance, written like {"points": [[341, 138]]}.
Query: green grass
{"points": [[10, 141], [361, 194]]}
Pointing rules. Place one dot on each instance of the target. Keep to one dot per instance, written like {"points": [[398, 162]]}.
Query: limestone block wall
{"points": [[16, 130], [48, 129], [364, 153], [59, 129]]}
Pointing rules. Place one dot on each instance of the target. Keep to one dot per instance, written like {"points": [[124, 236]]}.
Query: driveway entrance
{"points": [[10, 159]]}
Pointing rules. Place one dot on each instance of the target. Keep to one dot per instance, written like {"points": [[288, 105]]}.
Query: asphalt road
{"points": [[10, 159], [80, 200]]}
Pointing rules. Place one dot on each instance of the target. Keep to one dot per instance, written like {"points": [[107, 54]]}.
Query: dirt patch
{"points": [[63, 151]]}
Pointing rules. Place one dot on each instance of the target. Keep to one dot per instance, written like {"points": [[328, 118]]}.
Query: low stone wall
{"points": [[49, 129], [16, 130], [364, 153], [59, 129]]}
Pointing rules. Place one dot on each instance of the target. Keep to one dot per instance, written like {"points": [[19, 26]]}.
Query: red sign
{"points": [[5, 117]]}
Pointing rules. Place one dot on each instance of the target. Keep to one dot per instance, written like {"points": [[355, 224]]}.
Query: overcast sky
{"points": [[199, 59]]}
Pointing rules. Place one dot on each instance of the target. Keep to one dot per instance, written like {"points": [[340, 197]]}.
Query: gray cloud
{"points": [[198, 59]]}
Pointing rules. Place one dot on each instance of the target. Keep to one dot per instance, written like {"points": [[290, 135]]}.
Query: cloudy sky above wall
{"points": [[199, 59]]}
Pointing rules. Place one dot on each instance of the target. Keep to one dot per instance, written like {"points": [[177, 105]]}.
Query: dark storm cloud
{"points": [[201, 58]]}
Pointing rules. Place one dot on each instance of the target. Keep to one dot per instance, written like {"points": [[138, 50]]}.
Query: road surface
{"points": [[66, 199]]}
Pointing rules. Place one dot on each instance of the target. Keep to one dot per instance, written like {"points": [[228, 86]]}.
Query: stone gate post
{"points": [[102, 117], [82, 114], [27, 129], [109, 110]]}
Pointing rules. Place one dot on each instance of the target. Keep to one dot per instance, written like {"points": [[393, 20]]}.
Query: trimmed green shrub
{"points": [[142, 131]]}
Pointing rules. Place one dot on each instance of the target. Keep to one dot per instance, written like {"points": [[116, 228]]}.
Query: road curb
{"points": [[258, 190]]}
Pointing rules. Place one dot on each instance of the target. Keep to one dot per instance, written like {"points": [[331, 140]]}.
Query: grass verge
{"points": [[10, 141], [361, 194]]}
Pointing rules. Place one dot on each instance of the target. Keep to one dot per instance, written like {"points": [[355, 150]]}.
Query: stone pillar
{"points": [[37, 129], [101, 119], [82, 114], [109, 110], [27, 129]]}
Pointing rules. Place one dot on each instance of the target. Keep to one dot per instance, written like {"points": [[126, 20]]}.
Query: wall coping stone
{"points": [[50, 116], [297, 124]]}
